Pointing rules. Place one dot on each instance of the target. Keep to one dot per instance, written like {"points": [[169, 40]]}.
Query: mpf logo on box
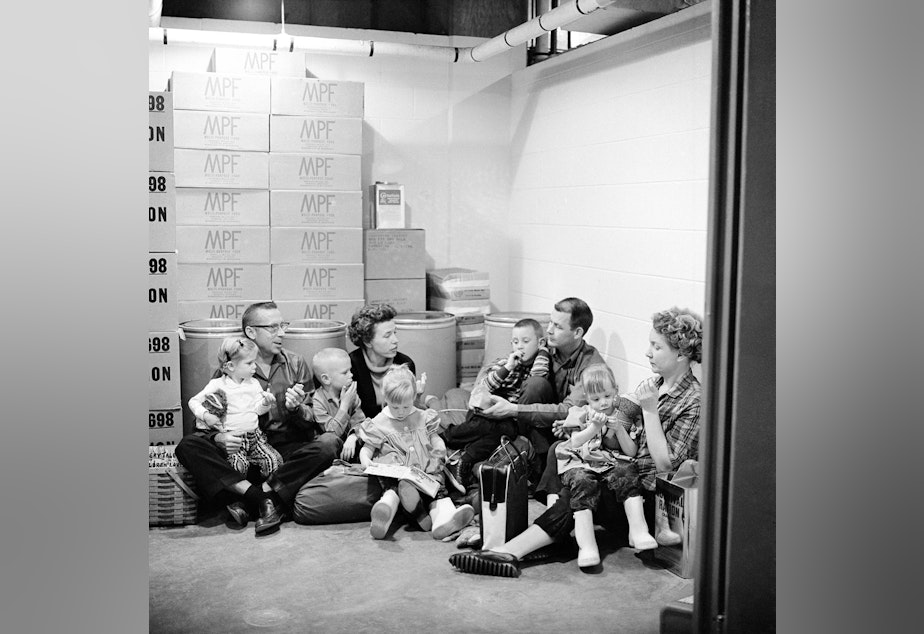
{"points": [[317, 129], [222, 241], [224, 278], [220, 164], [223, 126], [317, 204], [319, 92], [259, 61], [318, 278], [221, 87], [317, 241], [315, 166], [220, 202]]}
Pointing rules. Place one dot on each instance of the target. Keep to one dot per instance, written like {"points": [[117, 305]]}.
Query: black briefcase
{"points": [[502, 486]]}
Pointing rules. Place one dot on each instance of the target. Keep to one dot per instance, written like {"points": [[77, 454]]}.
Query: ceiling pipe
{"points": [[561, 16]]}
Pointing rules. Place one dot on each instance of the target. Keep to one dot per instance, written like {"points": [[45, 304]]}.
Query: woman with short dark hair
{"points": [[374, 333]]}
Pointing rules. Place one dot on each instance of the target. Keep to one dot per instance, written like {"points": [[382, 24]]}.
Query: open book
{"points": [[424, 482]]}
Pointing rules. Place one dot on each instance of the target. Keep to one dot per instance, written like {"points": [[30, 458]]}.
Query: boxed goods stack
{"points": [[164, 420], [222, 179], [316, 202], [396, 268], [465, 293]]}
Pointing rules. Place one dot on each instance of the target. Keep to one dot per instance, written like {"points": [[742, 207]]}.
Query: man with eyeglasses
{"points": [[289, 426]]}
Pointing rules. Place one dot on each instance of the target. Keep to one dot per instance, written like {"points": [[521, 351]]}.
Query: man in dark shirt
{"points": [[289, 426]]}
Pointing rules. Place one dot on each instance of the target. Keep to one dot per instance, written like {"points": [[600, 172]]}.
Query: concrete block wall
{"points": [[609, 167]]}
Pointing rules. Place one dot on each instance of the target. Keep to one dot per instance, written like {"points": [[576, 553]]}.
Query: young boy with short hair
{"points": [[335, 404], [478, 436]]}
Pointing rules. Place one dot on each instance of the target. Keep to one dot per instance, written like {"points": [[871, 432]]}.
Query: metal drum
{"points": [[498, 329], [200, 341], [429, 338], [307, 336]]}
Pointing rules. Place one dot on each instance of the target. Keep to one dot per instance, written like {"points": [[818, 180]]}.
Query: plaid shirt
{"points": [[679, 411], [509, 383], [565, 376]]}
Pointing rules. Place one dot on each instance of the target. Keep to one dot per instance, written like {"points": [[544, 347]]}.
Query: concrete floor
{"points": [[209, 577]]}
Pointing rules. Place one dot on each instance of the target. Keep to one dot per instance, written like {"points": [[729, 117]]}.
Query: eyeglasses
{"points": [[273, 328]]}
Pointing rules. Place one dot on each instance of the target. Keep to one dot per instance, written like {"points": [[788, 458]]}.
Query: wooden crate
{"points": [[172, 497]]}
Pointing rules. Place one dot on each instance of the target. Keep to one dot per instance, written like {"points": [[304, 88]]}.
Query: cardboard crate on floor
{"points": [[678, 499]]}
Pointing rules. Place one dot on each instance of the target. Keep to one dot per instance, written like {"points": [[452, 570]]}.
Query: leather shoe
{"points": [[239, 514], [487, 562], [460, 474], [270, 518]]}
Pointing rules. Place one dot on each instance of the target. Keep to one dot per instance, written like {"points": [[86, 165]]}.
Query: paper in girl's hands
{"points": [[424, 482]]}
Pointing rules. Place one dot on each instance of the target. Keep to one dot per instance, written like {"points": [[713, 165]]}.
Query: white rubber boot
{"points": [[383, 512], [663, 533], [447, 519], [588, 554], [639, 537]]}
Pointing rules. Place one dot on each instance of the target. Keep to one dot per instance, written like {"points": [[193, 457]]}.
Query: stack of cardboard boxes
{"points": [[395, 255], [164, 418], [316, 202], [396, 268], [222, 159], [465, 293]]}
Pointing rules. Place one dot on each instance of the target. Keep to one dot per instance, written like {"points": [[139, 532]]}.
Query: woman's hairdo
{"points": [[683, 330], [362, 326]]}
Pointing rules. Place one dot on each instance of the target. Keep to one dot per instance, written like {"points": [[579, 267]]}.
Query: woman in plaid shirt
{"points": [[670, 405]]}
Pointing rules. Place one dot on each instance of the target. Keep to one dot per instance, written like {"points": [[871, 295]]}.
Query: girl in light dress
{"points": [[404, 434]]}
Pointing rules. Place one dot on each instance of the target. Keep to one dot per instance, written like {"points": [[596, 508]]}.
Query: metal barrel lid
{"points": [[425, 319], [512, 317], [211, 326], [315, 326]]}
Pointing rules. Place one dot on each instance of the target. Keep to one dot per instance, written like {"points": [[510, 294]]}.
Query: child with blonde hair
{"points": [[403, 434], [234, 402], [335, 404], [602, 453]]}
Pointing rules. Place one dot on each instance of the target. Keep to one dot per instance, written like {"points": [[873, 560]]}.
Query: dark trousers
{"points": [[303, 461], [549, 482], [558, 521], [538, 389], [215, 477], [479, 436], [586, 485]]}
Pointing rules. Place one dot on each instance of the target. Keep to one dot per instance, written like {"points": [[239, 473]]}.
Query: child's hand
{"points": [[647, 394], [211, 420], [348, 396], [513, 359], [563, 428], [349, 447], [596, 418], [422, 383], [269, 398]]}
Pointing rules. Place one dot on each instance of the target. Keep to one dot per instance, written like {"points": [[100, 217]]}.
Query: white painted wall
{"points": [[609, 166], [584, 175]]}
